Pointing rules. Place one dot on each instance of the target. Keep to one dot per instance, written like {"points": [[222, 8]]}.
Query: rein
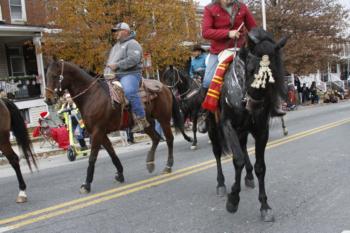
{"points": [[97, 78], [178, 80]]}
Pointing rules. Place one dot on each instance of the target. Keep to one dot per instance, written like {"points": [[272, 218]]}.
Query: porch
{"points": [[21, 69]]}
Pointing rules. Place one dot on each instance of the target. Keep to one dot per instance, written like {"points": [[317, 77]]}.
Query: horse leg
{"points": [[95, 148], [150, 131], [285, 130], [249, 178], [108, 146], [216, 146], [233, 143], [170, 142], [5, 147], [260, 169], [194, 130]]}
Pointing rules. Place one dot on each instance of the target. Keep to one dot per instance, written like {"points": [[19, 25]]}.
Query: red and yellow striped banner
{"points": [[211, 101]]}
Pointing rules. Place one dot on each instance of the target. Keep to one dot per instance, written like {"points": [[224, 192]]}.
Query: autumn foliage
{"points": [[316, 29], [161, 27]]}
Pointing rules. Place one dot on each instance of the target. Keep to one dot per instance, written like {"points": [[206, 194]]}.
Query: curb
{"points": [[58, 151]]}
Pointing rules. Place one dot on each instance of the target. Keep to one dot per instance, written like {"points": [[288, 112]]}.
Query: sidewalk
{"points": [[47, 150], [309, 105]]}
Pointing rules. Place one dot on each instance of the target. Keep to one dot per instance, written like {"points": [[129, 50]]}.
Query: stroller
{"points": [[76, 131]]}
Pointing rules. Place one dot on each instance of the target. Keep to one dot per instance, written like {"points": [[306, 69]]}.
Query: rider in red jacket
{"points": [[221, 21], [220, 28], [221, 25]]}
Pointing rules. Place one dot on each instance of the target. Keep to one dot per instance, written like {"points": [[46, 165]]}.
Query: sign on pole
{"points": [[147, 63]]}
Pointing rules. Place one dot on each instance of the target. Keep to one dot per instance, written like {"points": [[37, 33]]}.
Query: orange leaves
{"points": [[314, 25], [161, 27]]}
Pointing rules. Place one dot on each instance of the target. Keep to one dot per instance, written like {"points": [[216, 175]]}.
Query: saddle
{"points": [[148, 91]]}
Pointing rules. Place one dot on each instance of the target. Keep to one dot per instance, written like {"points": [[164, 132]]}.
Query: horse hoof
{"points": [[150, 166], [120, 178], [267, 215], [84, 189], [221, 191], [230, 207], [249, 183], [166, 170], [21, 199], [285, 132], [193, 147]]}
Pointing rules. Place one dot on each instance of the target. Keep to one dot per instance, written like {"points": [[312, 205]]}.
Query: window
{"points": [[16, 61], [17, 9]]}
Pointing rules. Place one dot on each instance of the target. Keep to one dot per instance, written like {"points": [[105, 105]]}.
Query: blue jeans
{"points": [[159, 129], [131, 83], [210, 69]]}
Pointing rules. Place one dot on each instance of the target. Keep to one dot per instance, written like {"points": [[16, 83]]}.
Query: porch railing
{"points": [[20, 87]]}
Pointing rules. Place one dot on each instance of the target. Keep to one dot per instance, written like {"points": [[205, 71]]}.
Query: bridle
{"points": [[61, 78], [177, 79]]}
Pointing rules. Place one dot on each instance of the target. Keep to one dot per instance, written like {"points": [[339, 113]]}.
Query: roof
{"points": [[19, 30]]}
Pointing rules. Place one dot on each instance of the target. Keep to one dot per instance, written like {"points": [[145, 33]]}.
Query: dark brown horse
{"points": [[101, 117], [11, 120]]}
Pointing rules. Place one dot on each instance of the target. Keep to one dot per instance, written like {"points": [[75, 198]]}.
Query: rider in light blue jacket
{"points": [[198, 62]]}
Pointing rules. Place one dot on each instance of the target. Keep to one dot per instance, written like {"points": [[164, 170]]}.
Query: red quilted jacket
{"points": [[216, 25]]}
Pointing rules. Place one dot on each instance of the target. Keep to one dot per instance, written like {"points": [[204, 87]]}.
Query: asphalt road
{"points": [[307, 184]]}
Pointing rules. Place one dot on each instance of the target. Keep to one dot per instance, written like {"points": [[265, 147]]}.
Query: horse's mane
{"points": [[78, 70]]}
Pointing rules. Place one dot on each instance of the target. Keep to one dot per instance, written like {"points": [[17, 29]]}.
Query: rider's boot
{"points": [[277, 110], [140, 124]]}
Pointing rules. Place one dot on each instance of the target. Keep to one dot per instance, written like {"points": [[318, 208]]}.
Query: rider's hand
{"points": [[233, 34], [112, 66]]}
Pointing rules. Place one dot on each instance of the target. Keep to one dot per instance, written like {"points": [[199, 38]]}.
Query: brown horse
{"points": [[11, 120], [101, 116]]}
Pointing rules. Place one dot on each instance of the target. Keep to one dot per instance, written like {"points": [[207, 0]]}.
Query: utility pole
{"points": [[263, 13]]}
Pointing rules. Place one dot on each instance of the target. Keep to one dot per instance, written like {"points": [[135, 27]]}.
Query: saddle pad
{"points": [[152, 85], [117, 93]]}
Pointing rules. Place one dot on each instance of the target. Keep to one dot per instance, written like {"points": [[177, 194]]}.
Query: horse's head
{"points": [[176, 79], [264, 67], [170, 77], [56, 81]]}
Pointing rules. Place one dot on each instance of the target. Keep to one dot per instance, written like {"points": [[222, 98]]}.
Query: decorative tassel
{"points": [[263, 74]]}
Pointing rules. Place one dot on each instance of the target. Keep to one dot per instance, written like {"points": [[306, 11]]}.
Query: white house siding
{"points": [[34, 114], [34, 107]]}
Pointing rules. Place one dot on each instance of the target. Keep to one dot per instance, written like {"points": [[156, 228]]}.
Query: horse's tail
{"points": [[178, 119], [20, 131]]}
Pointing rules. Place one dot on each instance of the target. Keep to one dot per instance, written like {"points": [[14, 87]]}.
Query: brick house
{"points": [[21, 62]]}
